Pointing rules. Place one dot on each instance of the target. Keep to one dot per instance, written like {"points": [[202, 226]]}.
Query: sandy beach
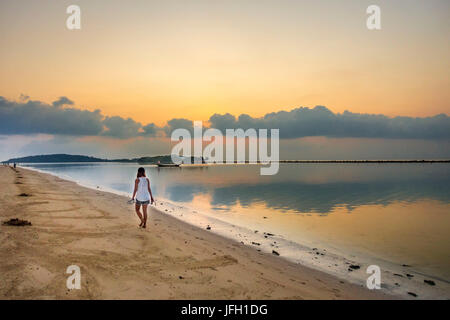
{"points": [[98, 231]]}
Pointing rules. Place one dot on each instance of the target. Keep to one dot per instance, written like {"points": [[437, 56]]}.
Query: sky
{"points": [[115, 86]]}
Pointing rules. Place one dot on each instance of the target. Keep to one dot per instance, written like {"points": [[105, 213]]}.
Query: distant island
{"points": [[54, 158], [167, 159]]}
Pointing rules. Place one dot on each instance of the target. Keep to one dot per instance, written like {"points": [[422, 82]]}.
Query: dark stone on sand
{"points": [[17, 222], [398, 275], [24, 195], [269, 234], [430, 282], [406, 265], [354, 266], [409, 275], [208, 228], [180, 277], [275, 253], [412, 294], [256, 243]]}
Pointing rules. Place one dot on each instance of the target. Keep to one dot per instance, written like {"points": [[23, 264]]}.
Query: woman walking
{"points": [[143, 194]]}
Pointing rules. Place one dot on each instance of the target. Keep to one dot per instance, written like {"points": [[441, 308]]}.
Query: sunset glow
{"points": [[153, 61]]}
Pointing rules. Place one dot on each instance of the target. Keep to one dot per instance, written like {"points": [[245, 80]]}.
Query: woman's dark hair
{"points": [[141, 172]]}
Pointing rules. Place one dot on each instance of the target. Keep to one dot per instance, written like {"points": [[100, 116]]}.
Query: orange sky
{"points": [[153, 61]]}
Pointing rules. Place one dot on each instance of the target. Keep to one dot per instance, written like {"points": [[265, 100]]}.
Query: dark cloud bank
{"points": [[60, 117]]}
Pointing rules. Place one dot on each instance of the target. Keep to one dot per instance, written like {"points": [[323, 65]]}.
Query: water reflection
{"points": [[312, 188]]}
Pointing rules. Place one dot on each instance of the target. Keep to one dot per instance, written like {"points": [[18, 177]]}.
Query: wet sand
{"points": [[98, 231]]}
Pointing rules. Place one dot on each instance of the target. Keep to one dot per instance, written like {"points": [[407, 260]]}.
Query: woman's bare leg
{"points": [[144, 209], [137, 207]]}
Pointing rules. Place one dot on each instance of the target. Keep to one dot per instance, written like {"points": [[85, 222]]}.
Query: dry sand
{"points": [[98, 231]]}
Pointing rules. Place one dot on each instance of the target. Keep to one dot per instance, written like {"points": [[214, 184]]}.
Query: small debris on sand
{"points": [[17, 222], [208, 228], [275, 253], [430, 282], [412, 294], [354, 266], [24, 195], [256, 243]]}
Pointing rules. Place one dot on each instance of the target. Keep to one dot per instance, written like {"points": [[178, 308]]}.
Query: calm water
{"points": [[398, 212]]}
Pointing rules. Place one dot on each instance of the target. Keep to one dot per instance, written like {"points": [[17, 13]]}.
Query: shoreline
{"points": [[169, 260]]}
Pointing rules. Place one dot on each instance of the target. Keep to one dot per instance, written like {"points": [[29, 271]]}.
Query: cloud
{"points": [[62, 101], [150, 129], [61, 118], [32, 117], [320, 121], [121, 128], [178, 123], [35, 117]]}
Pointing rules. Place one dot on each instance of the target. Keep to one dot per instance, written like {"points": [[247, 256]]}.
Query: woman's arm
{"points": [[136, 183], [150, 191]]}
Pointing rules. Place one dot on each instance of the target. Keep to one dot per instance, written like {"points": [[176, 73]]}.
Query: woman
{"points": [[143, 195]]}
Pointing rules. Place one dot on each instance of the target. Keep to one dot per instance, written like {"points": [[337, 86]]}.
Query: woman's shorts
{"points": [[142, 202]]}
